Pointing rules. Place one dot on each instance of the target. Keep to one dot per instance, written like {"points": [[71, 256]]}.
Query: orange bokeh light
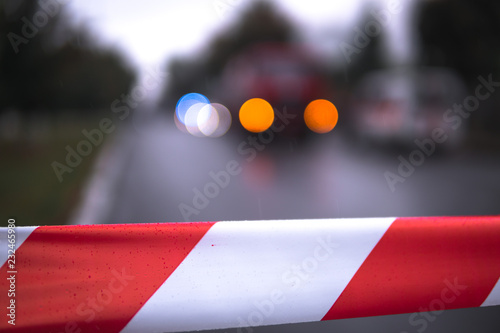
{"points": [[321, 116], [256, 115]]}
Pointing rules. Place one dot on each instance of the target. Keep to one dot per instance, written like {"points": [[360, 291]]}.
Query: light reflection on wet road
{"points": [[326, 178]]}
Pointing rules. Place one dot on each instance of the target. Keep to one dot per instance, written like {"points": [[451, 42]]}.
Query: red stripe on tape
{"points": [[93, 278], [423, 264]]}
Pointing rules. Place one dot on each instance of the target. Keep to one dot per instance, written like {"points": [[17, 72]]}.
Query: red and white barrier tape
{"points": [[194, 276]]}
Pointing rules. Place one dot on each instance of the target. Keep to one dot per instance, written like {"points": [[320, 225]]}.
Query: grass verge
{"points": [[30, 190]]}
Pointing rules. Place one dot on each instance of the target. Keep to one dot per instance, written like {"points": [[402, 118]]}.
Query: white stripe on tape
{"points": [[494, 297], [261, 273], [21, 233]]}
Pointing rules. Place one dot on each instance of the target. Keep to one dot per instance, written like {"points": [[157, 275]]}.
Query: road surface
{"points": [[164, 170]]}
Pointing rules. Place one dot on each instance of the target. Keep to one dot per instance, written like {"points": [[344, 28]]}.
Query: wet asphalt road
{"points": [[169, 176]]}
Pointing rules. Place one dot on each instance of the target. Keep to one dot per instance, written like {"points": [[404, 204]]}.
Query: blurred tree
{"points": [[465, 35], [363, 59], [87, 77], [261, 22], [47, 65], [462, 34]]}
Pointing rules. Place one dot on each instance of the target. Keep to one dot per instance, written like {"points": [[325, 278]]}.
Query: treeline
{"points": [[48, 65]]}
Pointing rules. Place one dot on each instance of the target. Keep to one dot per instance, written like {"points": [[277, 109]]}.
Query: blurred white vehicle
{"points": [[397, 106]]}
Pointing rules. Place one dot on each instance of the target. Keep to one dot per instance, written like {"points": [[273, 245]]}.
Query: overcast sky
{"points": [[150, 31]]}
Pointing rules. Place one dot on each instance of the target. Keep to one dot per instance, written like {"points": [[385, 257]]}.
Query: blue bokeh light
{"points": [[187, 101]]}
